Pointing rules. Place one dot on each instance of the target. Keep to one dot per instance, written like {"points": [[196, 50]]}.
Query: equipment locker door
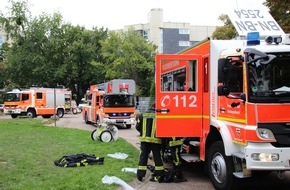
{"points": [[178, 95]]}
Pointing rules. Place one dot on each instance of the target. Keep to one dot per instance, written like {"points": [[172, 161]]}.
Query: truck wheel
{"points": [[60, 113], [220, 168], [75, 111], [106, 136], [30, 113], [14, 116]]}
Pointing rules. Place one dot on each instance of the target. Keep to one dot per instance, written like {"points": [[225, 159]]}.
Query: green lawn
{"points": [[28, 150]]}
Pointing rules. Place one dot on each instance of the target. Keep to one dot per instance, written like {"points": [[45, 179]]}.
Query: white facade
{"points": [[153, 30]]}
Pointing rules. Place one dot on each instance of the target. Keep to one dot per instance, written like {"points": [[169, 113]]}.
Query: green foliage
{"points": [[48, 52], [225, 32], [45, 51], [29, 149], [280, 10], [128, 55]]}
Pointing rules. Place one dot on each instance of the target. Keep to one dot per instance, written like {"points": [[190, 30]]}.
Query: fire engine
{"points": [[230, 100], [35, 102], [111, 102]]}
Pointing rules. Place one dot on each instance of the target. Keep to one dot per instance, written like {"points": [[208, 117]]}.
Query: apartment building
{"points": [[170, 37]]}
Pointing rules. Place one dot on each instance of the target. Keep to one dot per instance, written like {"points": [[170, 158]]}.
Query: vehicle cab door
{"points": [[178, 95]]}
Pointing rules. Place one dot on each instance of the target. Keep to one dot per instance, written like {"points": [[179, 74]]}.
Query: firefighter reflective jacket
{"points": [[147, 128], [175, 141], [79, 160]]}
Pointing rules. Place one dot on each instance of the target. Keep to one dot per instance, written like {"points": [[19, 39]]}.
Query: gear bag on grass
{"points": [[79, 160]]}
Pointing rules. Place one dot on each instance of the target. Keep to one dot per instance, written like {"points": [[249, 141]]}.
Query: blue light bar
{"points": [[253, 38]]}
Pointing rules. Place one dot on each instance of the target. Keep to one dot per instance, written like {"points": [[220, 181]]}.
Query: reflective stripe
{"points": [[142, 167], [159, 168], [150, 140], [175, 142]]}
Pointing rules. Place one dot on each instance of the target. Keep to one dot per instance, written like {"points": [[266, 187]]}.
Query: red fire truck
{"points": [[111, 102], [36, 101], [230, 100]]}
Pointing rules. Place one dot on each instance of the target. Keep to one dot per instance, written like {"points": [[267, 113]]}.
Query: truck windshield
{"points": [[12, 97], [270, 82], [119, 101]]}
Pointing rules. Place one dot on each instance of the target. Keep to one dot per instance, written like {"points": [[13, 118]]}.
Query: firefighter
{"points": [[149, 142], [174, 144]]}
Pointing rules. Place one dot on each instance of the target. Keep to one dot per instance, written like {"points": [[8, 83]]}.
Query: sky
{"points": [[115, 14]]}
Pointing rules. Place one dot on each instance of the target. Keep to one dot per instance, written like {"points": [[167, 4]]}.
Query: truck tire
{"points": [[14, 116], [30, 113], [128, 126], [60, 113], [74, 111], [220, 168]]}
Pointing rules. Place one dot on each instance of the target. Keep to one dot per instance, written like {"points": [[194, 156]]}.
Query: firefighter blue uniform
{"points": [[149, 142]]}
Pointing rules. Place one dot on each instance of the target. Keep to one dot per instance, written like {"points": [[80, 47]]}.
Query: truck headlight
{"points": [[265, 134], [265, 157]]}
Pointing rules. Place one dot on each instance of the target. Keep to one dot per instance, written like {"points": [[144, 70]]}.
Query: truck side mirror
{"points": [[223, 70]]}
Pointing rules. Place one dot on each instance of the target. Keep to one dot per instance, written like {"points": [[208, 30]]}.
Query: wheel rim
{"points": [[29, 114], [59, 113], [106, 136], [218, 168]]}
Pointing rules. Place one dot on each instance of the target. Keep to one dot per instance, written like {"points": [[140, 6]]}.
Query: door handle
{"points": [[163, 110]]}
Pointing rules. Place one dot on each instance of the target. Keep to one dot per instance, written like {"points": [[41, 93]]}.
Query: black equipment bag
{"points": [[79, 160]]}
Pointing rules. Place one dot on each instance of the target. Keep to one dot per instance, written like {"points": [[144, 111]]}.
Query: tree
{"points": [[48, 52], [280, 10], [225, 32], [128, 55]]}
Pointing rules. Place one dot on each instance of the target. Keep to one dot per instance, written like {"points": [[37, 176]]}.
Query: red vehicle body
{"points": [[231, 102], [111, 102]]}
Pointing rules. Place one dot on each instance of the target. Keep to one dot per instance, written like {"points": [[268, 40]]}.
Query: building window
{"points": [[183, 31], [184, 43]]}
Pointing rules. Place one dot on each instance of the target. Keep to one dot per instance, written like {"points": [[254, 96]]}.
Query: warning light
{"points": [[253, 38]]}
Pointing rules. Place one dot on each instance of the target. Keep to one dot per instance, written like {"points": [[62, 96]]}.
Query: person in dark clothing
{"points": [[174, 145], [149, 142]]}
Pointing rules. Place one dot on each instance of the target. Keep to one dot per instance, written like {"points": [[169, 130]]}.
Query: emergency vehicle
{"points": [[230, 100], [35, 102], [111, 102]]}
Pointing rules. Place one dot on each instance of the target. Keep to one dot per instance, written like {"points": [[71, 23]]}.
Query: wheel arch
{"points": [[220, 132], [33, 110]]}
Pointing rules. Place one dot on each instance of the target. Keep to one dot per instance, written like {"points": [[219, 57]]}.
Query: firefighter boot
{"points": [[178, 176], [141, 174], [159, 179]]}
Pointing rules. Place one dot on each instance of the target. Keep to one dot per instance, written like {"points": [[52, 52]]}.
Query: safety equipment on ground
{"points": [[79, 160], [105, 132]]}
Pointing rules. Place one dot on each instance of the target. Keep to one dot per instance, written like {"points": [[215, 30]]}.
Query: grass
{"points": [[28, 150]]}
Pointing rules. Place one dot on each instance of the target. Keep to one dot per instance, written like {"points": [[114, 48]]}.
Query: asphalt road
{"points": [[194, 173]]}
